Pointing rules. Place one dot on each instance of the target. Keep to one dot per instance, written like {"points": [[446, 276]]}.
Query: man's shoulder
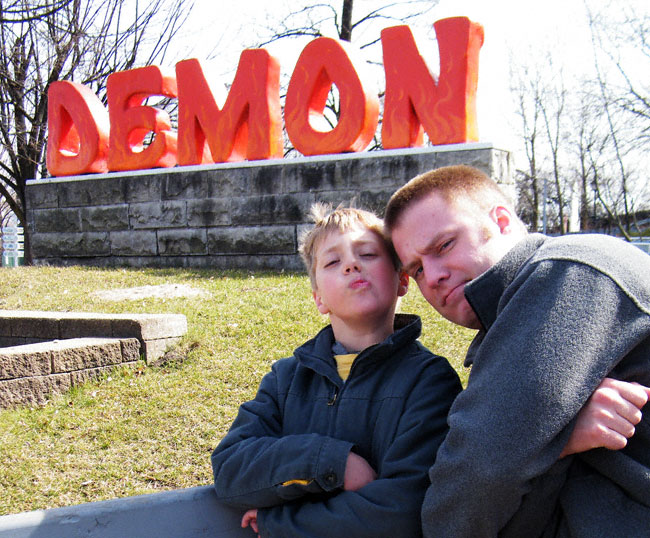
{"points": [[627, 265]]}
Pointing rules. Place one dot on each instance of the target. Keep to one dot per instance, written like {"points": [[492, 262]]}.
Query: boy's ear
{"points": [[502, 217], [322, 307], [403, 286]]}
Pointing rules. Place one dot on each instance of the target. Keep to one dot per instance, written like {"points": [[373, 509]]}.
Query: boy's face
{"points": [[356, 281], [444, 245]]}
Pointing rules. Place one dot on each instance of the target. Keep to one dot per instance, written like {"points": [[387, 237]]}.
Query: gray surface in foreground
{"points": [[186, 513]]}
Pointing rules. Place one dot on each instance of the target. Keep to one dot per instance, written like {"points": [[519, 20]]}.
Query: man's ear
{"points": [[503, 218], [403, 286], [322, 307]]}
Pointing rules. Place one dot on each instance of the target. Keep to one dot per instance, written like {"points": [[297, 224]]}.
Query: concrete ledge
{"points": [[155, 332], [187, 513]]}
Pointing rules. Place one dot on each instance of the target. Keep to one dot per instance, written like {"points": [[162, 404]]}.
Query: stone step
{"points": [[155, 332]]}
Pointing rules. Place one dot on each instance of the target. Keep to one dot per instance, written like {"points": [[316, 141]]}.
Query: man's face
{"points": [[356, 281], [444, 245]]}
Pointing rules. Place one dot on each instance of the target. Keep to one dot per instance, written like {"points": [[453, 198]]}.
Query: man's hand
{"points": [[250, 518], [609, 417], [358, 473]]}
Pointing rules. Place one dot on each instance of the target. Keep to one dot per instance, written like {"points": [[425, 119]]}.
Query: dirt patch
{"points": [[163, 291]]}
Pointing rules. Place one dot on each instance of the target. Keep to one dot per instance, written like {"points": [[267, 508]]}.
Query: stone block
{"points": [[41, 195], [134, 243], [81, 327], [472, 156], [25, 361], [390, 171], [32, 390], [82, 353], [105, 218], [154, 349], [11, 341], [185, 185], [53, 245], [5, 326], [265, 179], [228, 181], [280, 209], [35, 325], [166, 214], [130, 349], [375, 201], [57, 220], [148, 326], [312, 177], [143, 188], [82, 376], [208, 212], [255, 240], [263, 262], [92, 191], [190, 241]]}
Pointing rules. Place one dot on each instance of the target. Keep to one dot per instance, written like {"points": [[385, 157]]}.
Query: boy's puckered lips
{"points": [[359, 283]]}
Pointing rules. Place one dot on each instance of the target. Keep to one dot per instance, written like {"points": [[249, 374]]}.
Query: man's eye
{"points": [[417, 273], [446, 245]]}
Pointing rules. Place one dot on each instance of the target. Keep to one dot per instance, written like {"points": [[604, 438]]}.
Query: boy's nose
{"points": [[352, 267]]}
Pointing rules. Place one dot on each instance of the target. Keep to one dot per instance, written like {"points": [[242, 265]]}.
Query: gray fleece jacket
{"points": [[560, 314]]}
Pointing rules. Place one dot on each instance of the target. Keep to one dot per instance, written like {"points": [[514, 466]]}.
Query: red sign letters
{"points": [[86, 138]]}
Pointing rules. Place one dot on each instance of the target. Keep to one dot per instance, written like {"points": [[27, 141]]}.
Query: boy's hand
{"points": [[609, 416], [250, 518], [358, 473]]}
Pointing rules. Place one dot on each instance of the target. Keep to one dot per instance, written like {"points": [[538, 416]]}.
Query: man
{"points": [[555, 316]]}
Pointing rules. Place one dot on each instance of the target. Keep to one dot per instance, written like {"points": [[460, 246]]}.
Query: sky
{"points": [[513, 29]]}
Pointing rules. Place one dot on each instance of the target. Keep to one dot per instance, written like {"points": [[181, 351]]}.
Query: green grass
{"points": [[150, 429]]}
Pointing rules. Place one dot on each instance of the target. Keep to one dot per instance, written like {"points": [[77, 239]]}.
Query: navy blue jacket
{"points": [[392, 410]]}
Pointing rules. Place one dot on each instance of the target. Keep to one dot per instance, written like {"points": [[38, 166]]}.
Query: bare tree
{"points": [[621, 92], [526, 88], [42, 41]]}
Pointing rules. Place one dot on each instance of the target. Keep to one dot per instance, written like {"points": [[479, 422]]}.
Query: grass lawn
{"points": [[150, 429]]}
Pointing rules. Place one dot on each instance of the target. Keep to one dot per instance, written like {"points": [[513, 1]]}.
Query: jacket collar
{"points": [[317, 352], [485, 291]]}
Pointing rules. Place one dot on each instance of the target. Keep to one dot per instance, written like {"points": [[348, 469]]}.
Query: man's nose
{"points": [[434, 274]]}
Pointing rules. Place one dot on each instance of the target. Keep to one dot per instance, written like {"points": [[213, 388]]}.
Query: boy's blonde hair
{"points": [[327, 220]]}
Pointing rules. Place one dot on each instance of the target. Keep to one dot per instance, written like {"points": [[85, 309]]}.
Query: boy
{"points": [[340, 436]]}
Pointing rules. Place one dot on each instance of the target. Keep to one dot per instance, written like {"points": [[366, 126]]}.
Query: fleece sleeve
{"points": [[558, 334], [389, 506], [254, 466]]}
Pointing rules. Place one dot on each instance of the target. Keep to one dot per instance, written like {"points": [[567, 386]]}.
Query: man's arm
{"points": [[550, 347], [609, 417]]}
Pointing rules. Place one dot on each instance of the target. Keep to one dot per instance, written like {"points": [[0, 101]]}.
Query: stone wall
{"points": [[235, 215]]}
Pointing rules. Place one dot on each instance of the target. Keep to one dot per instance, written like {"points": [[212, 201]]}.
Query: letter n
{"points": [[446, 109], [249, 126], [131, 122], [78, 130]]}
